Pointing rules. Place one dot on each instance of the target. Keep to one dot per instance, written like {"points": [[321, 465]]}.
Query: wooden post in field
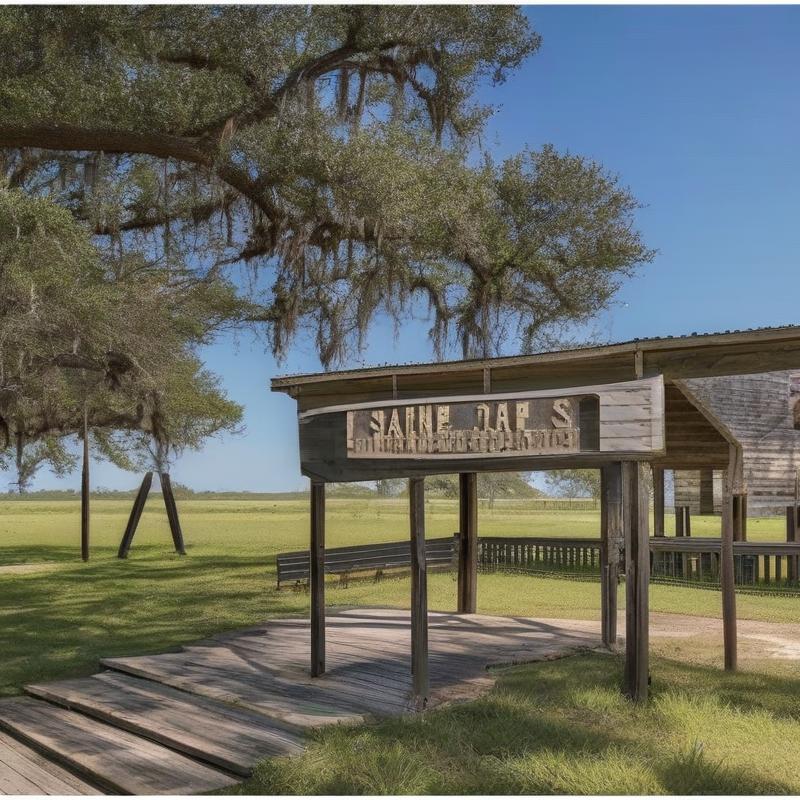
{"points": [[468, 543], [419, 594], [658, 501], [739, 517], [792, 526], [611, 535], [85, 487], [172, 513], [732, 483], [317, 579], [135, 516], [637, 578], [706, 492]]}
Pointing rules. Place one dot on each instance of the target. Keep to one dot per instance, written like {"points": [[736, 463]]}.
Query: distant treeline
{"points": [[185, 493]]}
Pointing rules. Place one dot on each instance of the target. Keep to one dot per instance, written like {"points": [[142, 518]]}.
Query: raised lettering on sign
{"points": [[517, 427]]}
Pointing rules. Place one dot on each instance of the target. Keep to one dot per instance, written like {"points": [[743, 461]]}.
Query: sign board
{"points": [[527, 429]]}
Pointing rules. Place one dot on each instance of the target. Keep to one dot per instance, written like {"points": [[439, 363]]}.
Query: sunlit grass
{"points": [[562, 727], [61, 620]]}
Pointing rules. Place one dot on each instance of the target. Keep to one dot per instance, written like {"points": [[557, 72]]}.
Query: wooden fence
{"points": [[685, 559]]}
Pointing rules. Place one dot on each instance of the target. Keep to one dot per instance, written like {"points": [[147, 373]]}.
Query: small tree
{"points": [[574, 482], [187, 406]]}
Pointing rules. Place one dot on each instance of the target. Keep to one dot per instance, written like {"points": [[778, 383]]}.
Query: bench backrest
{"points": [[389, 555]]}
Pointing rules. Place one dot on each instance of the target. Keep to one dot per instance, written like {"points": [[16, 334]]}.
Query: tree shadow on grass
{"points": [[556, 727]]}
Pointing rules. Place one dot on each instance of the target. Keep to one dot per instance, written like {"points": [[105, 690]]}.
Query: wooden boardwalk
{"points": [[199, 719]]}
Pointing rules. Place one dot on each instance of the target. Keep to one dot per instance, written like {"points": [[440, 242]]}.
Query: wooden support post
{"points": [[679, 520], [727, 573], [792, 520], [419, 594], [637, 579], [85, 487], [317, 579], [172, 513], [706, 491], [739, 517], [136, 514], [468, 543], [658, 501], [611, 537]]}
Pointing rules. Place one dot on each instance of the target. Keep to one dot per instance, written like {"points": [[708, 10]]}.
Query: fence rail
{"points": [[766, 566], [683, 559]]}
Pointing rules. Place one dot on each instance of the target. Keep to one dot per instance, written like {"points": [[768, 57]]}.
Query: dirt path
{"points": [[766, 639]]}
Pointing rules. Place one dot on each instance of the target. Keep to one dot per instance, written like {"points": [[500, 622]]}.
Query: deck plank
{"points": [[231, 738], [24, 771], [118, 760]]}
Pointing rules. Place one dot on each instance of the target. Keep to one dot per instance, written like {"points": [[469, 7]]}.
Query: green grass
{"points": [[59, 621], [562, 727], [556, 727]]}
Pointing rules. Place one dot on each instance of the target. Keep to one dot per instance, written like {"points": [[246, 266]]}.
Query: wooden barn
{"points": [[763, 413]]}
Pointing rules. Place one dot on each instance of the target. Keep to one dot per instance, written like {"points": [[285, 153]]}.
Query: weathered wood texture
{"points": [[114, 759], [351, 561], [758, 409], [727, 573], [135, 516], [419, 594], [637, 579], [687, 491], [692, 440], [658, 501], [612, 542], [683, 521], [265, 670], [23, 771], [172, 513], [627, 422], [737, 352], [468, 543], [225, 736], [317, 579]]}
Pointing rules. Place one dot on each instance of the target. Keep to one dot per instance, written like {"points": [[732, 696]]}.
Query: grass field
{"points": [[61, 618], [554, 727]]}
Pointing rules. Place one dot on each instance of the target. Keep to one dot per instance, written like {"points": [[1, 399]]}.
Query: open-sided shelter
{"points": [[618, 407]]}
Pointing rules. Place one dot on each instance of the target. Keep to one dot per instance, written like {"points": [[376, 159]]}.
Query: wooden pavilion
{"points": [[616, 407]]}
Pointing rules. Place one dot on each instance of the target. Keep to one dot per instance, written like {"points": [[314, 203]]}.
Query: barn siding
{"points": [[759, 412]]}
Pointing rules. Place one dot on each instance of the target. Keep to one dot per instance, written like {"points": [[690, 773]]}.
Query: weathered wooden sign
{"points": [[523, 429], [482, 427]]}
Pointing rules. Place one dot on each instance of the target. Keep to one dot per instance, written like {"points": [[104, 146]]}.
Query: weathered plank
{"points": [[468, 539], [317, 579], [24, 771], [419, 595], [231, 738], [637, 578], [118, 760]]}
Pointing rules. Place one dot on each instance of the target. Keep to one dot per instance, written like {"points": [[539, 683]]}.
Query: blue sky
{"points": [[698, 111]]}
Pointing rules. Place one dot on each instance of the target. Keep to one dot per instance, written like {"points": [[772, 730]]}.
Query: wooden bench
{"points": [[346, 561]]}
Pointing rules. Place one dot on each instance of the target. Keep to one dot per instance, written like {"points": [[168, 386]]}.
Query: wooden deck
{"points": [[199, 719]]}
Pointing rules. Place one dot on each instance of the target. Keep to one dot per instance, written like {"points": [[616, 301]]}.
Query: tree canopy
{"points": [[115, 336], [334, 149]]}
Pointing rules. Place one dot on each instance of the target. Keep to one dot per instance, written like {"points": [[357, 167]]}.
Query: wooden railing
{"points": [[533, 553], [683, 559], [692, 560]]}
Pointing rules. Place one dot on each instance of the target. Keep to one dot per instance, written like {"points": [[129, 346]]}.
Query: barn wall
{"points": [[758, 409], [687, 490]]}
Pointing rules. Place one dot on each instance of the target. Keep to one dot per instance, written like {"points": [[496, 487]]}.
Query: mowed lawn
{"points": [[555, 727], [61, 618]]}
